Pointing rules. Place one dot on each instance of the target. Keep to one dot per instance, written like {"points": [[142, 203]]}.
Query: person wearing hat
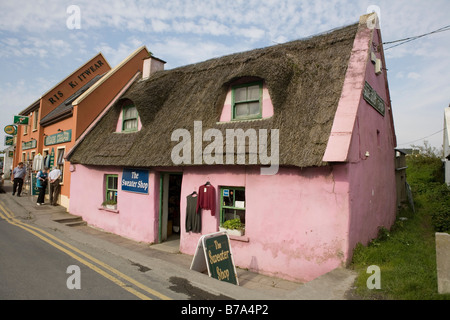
{"points": [[41, 184]]}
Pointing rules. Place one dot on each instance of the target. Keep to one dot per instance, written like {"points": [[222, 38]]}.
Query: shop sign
{"points": [[21, 120], [213, 253], [372, 98], [60, 137], [11, 129], [9, 140], [29, 144], [134, 180]]}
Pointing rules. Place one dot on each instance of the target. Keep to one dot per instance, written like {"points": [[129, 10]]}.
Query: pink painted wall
{"points": [[372, 178], [267, 106], [136, 218], [296, 220]]}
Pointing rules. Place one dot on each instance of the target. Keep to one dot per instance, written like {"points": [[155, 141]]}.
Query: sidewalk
{"points": [[335, 285]]}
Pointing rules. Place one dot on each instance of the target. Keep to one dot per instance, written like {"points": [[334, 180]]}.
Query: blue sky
{"points": [[38, 50]]}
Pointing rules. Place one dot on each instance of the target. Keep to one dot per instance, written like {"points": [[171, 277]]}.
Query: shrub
{"points": [[233, 224]]}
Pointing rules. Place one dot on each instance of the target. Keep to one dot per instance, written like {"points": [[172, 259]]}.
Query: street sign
{"points": [[10, 129], [9, 140], [213, 253], [20, 120]]}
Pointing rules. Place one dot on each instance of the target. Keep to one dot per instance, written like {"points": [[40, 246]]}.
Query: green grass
{"points": [[406, 254]]}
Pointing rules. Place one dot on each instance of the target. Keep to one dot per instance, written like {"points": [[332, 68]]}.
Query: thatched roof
{"points": [[304, 79]]}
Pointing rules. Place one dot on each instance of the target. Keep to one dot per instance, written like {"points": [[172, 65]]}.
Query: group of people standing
{"points": [[43, 178]]}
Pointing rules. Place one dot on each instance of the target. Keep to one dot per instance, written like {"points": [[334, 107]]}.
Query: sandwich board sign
{"points": [[213, 253]]}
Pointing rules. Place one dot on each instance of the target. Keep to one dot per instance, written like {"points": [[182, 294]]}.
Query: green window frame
{"points": [[233, 205], [111, 186], [130, 118], [247, 101]]}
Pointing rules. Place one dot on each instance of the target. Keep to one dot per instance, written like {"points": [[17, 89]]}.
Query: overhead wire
{"points": [[401, 144], [409, 39]]}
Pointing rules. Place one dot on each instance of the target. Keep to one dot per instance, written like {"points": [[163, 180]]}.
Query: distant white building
{"points": [[8, 162], [447, 144]]}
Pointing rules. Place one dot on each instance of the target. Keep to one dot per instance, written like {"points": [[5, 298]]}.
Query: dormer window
{"points": [[247, 101], [129, 118]]}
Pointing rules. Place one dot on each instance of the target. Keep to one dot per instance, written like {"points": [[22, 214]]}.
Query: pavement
{"points": [[335, 285]]}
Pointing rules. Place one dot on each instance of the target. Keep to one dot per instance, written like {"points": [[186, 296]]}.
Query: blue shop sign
{"points": [[134, 180]]}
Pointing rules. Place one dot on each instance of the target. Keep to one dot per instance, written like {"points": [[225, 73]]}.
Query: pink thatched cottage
{"points": [[295, 141]]}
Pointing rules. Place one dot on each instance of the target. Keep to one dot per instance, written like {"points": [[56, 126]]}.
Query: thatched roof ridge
{"points": [[304, 79]]}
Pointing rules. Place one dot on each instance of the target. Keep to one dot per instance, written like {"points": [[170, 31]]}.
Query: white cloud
{"points": [[413, 76]]}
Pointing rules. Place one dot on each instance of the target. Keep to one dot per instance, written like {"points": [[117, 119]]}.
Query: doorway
{"points": [[169, 208]]}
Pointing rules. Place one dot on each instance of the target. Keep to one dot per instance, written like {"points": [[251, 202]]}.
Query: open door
{"points": [[170, 197]]}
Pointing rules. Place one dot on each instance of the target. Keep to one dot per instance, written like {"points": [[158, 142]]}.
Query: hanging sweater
{"points": [[207, 199], [193, 220]]}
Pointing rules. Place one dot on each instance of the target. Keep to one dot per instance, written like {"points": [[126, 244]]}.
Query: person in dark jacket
{"points": [[41, 184]]}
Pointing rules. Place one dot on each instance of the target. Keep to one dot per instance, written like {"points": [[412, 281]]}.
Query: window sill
{"points": [[109, 210], [242, 120], [239, 238], [242, 238]]}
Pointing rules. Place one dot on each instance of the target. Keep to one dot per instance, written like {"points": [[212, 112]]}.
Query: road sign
{"points": [[213, 253], [9, 140], [20, 120], [10, 129]]}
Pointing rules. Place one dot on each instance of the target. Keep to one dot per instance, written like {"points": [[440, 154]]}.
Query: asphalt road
{"points": [[43, 262], [32, 269]]}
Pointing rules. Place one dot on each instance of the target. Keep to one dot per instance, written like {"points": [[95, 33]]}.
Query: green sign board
{"points": [[372, 98], [213, 253], [9, 140], [21, 120], [29, 144], [60, 137]]}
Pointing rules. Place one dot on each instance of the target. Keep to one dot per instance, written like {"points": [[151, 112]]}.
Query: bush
{"points": [[441, 218], [426, 176], [233, 224]]}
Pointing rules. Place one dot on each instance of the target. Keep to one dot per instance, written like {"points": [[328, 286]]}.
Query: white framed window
{"points": [[59, 161], [35, 120]]}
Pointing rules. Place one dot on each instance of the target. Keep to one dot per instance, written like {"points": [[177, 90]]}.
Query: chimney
{"points": [[151, 65]]}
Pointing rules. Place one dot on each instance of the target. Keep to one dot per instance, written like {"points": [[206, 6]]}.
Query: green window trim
{"points": [[237, 101], [133, 119], [238, 211], [111, 186]]}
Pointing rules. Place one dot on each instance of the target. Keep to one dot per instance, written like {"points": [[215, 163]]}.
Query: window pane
{"points": [[130, 124], [130, 112], [241, 109], [240, 94], [60, 159], [240, 195], [109, 183], [229, 214], [253, 108], [112, 183], [253, 93], [228, 201]]}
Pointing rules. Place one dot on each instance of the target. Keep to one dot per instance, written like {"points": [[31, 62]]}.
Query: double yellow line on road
{"points": [[70, 250]]}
